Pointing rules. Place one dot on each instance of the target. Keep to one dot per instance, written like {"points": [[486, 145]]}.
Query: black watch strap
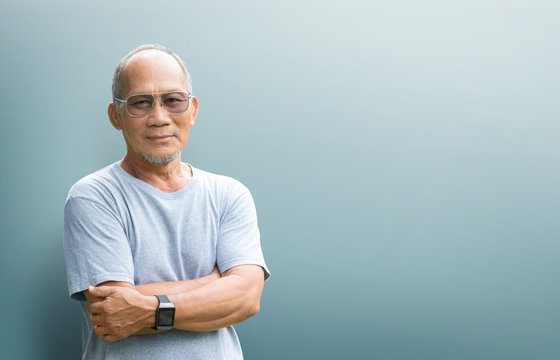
{"points": [[163, 299]]}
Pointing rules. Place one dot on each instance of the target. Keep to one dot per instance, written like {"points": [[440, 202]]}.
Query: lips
{"points": [[160, 138]]}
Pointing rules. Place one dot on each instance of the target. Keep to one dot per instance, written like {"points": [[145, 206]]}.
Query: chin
{"points": [[160, 159]]}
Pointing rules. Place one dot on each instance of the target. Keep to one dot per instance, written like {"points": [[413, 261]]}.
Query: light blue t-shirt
{"points": [[119, 228]]}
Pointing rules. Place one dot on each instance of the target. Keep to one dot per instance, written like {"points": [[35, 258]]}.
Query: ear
{"points": [[114, 116], [193, 109]]}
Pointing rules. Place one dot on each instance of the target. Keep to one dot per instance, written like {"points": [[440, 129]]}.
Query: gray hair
{"points": [[160, 160], [116, 87]]}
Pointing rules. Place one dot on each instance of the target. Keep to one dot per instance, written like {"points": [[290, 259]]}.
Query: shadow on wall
{"points": [[58, 317]]}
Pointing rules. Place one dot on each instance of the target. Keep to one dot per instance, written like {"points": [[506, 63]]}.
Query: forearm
{"points": [[220, 303], [170, 288], [120, 309], [176, 287], [167, 288], [148, 290]]}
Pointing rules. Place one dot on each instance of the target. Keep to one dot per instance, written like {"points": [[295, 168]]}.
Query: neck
{"points": [[168, 177]]}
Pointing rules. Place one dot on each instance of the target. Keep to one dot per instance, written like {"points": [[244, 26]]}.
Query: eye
{"points": [[172, 100], [175, 102], [140, 101]]}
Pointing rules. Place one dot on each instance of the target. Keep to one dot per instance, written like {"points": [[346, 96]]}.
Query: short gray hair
{"points": [[116, 87]]}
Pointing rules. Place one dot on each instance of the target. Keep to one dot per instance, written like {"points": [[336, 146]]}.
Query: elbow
{"points": [[250, 310], [252, 306], [255, 308], [248, 290]]}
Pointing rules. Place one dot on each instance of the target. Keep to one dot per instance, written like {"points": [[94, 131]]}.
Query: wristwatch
{"points": [[165, 313]]}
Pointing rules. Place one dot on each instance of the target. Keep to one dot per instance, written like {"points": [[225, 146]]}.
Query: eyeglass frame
{"points": [[125, 101]]}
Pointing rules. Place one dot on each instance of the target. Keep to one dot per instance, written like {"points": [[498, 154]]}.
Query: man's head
{"points": [[153, 78], [116, 86]]}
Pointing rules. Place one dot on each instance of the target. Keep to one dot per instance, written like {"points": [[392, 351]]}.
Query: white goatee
{"points": [[159, 160]]}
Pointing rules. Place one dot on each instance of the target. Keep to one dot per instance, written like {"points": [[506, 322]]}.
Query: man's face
{"points": [[159, 134]]}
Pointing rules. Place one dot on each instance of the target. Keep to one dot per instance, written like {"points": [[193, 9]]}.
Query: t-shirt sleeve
{"points": [[96, 248], [239, 237]]}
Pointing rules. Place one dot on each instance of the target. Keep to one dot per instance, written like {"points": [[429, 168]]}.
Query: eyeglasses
{"points": [[139, 105]]}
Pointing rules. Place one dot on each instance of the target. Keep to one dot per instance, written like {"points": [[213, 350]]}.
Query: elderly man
{"points": [[167, 256]]}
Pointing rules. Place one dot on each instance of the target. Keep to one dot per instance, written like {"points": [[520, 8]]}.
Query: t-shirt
{"points": [[119, 228]]}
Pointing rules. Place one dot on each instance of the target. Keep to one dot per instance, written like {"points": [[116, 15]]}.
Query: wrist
{"points": [[150, 305]]}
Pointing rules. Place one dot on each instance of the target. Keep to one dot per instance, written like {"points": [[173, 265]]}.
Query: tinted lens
{"points": [[140, 105], [176, 102]]}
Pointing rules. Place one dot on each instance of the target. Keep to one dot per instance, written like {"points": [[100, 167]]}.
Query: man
{"points": [[167, 256]]}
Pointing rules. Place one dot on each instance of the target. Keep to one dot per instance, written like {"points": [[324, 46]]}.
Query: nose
{"points": [[158, 116]]}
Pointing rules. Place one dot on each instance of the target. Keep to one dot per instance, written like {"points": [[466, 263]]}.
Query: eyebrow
{"points": [[156, 93], [159, 92]]}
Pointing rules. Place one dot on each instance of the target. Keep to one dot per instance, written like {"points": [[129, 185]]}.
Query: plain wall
{"points": [[403, 156]]}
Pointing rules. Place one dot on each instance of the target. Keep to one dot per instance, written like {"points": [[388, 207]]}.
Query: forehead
{"points": [[152, 71]]}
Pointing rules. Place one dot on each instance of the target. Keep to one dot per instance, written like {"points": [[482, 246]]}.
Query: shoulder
{"points": [[96, 186], [222, 184], [228, 194]]}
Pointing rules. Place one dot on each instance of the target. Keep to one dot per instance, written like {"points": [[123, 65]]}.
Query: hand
{"points": [[121, 312]]}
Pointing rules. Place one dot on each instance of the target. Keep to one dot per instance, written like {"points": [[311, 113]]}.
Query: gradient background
{"points": [[403, 156]]}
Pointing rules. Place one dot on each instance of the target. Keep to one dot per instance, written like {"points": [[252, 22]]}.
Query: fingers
{"points": [[96, 319], [101, 291], [109, 338], [105, 335], [118, 314], [104, 331], [95, 308], [97, 296]]}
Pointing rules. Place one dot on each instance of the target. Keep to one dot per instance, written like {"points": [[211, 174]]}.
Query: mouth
{"points": [[160, 138]]}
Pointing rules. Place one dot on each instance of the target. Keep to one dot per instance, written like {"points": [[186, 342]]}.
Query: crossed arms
{"points": [[120, 309]]}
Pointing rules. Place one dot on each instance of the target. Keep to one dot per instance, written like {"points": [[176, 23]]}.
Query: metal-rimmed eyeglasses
{"points": [[139, 105]]}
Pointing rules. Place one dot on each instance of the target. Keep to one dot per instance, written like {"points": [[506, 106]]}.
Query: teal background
{"points": [[403, 156]]}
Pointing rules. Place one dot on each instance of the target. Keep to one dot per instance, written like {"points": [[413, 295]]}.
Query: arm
{"points": [[221, 302], [170, 287]]}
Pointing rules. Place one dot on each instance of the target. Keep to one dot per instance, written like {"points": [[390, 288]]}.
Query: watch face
{"points": [[166, 316]]}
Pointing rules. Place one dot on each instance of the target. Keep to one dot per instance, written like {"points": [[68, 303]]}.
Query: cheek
{"points": [[131, 135]]}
